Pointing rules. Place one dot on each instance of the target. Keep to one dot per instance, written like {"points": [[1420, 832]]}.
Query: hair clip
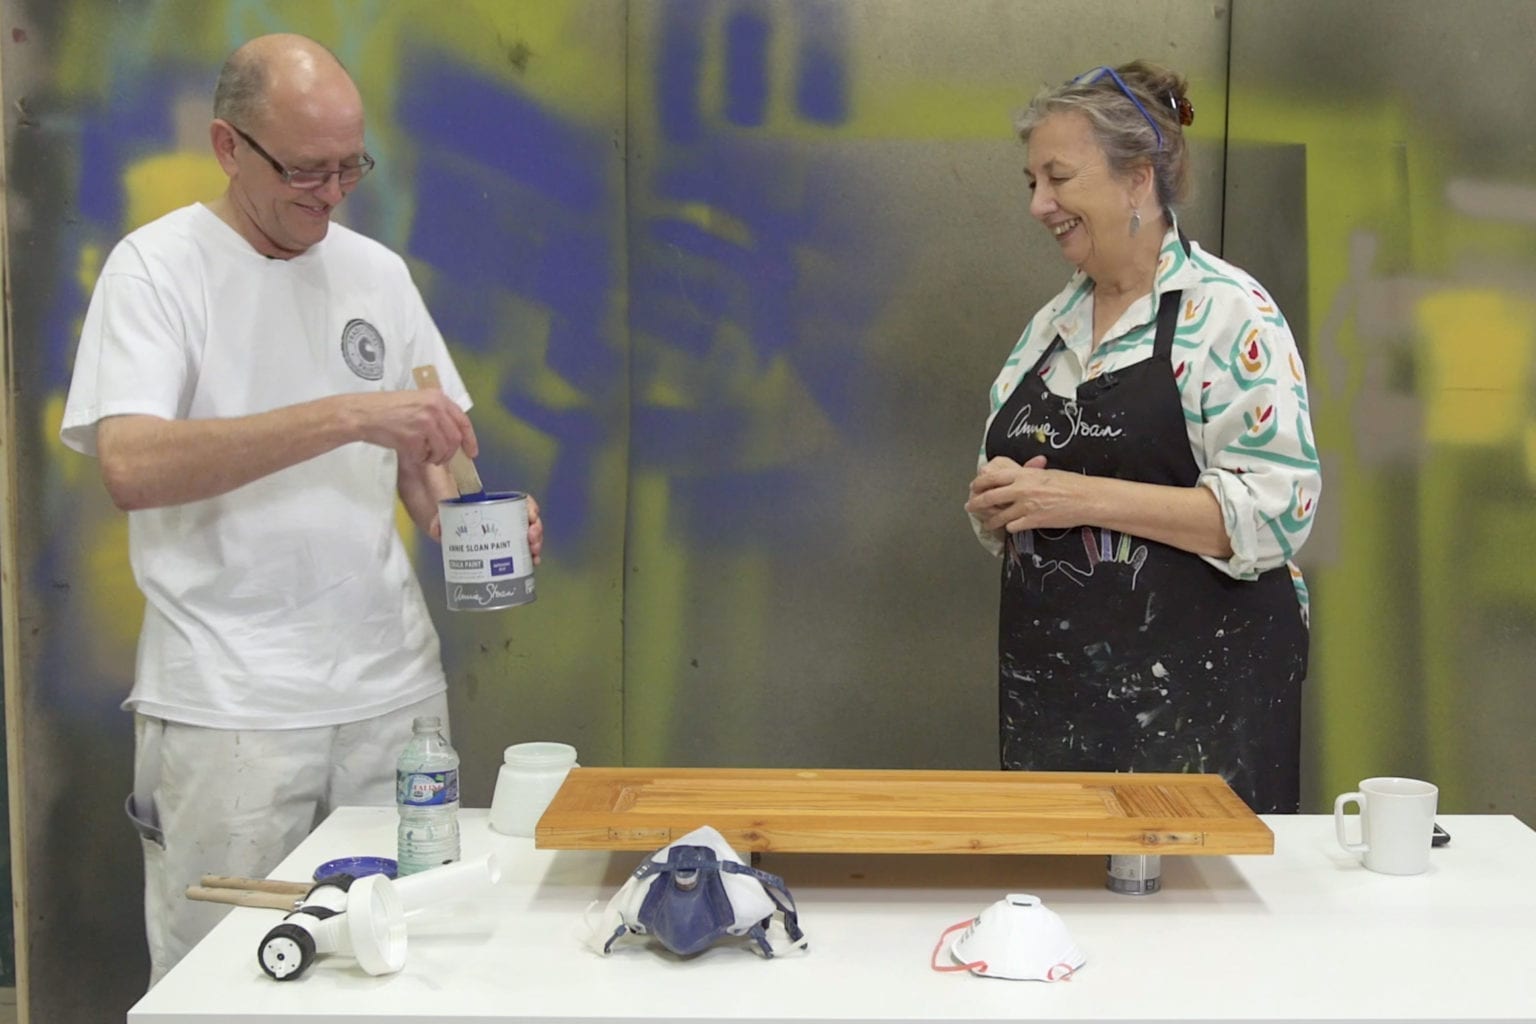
{"points": [[1182, 108]]}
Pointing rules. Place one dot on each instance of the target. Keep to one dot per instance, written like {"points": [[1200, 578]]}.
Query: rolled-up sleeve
{"points": [[1260, 458]]}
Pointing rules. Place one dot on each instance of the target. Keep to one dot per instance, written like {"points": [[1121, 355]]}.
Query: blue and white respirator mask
{"points": [[696, 892]]}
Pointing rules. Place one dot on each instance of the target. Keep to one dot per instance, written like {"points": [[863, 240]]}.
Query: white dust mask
{"points": [[1017, 938]]}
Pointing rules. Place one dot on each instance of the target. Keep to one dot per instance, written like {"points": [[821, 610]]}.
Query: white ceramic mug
{"points": [[526, 783], [1397, 823]]}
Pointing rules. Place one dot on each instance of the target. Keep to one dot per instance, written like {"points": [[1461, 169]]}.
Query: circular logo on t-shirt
{"points": [[362, 346]]}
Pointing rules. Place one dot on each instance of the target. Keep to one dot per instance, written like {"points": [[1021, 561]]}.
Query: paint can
{"points": [[486, 562]]}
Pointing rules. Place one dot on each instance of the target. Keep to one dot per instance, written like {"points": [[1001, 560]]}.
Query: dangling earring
{"points": [[1135, 221]]}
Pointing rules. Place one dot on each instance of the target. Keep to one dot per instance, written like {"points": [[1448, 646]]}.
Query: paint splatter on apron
{"points": [[1122, 654]]}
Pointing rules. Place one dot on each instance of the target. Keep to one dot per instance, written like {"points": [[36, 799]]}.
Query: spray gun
{"points": [[364, 917], [290, 948]]}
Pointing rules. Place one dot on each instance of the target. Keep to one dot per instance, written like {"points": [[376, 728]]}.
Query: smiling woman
{"points": [[1148, 471]]}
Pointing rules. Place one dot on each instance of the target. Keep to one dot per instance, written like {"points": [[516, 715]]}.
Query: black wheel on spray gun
{"points": [[286, 951]]}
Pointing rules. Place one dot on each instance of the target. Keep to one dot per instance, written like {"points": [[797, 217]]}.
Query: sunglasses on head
{"points": [[1183, 110]]}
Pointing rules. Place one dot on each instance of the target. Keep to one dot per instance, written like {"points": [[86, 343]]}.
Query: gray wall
{"points": [[801, 583]]}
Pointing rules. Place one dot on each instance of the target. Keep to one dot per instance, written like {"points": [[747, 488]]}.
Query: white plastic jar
{"points": [[527, 782]]}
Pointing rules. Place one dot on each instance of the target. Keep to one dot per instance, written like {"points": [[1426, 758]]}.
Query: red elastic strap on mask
{"points": [[979, 965]]}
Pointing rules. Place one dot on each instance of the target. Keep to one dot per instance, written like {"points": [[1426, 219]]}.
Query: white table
{"points": [[1305, 934]]}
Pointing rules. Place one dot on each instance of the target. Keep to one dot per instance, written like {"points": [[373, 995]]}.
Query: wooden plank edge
{"points": [[764, 840]]}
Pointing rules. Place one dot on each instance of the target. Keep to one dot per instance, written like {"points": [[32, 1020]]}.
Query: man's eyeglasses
{"points": [[1089, 77], [346, 174]]}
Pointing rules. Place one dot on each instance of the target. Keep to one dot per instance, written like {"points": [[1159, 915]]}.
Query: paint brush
{"points": [[461, 466]]}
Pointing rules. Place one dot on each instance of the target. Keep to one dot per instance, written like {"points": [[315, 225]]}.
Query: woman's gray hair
{"points": [[1123, 131]]}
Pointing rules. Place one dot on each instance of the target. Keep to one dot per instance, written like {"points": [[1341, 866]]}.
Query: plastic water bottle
{"points": [[427, 796]]}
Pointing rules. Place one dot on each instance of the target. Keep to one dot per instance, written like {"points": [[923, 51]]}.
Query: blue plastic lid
{"points": [[357, 867]]}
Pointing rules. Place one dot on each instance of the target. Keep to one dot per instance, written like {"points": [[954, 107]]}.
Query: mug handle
{"points": [[1344, 800]]}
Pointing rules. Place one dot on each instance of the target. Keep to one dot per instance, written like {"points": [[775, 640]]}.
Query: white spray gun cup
{"points": [[373, 927], [451, 883]]}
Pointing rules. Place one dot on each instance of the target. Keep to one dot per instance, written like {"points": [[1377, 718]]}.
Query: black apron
{"points": [[1122, 654]]}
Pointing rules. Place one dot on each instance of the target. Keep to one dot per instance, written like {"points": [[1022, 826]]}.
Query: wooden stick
{"points": [[242, 897], [465, 477], [257, 884]]}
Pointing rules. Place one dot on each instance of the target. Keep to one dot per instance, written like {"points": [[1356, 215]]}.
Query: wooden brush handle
{"points": [[257, 884], [242, 897], [461, 466]]}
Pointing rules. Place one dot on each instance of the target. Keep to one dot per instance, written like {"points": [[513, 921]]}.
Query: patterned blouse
{"points": [[1243, 387]]}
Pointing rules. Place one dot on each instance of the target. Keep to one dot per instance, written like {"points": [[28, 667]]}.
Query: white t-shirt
{"points": [[288, 602]]}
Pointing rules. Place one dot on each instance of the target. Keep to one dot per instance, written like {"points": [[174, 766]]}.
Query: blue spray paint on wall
{"points": [[822, 93], [513, 206], [135, 121], [513, 202], [680, 72], [746, 68], [692, 280]]}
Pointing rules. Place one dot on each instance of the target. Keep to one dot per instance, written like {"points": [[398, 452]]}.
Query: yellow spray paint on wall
{"points": [[1389, 628], [159, 184], [1351, 186]]}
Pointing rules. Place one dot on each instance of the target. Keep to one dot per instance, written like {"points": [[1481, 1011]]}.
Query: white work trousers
{"points": [[238, 801]]}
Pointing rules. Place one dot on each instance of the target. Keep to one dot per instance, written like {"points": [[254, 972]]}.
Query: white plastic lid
{"points": [[376, 925], [540, 755]]}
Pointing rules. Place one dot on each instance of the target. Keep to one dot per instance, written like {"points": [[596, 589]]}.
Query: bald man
{"points": [[244, 378]]}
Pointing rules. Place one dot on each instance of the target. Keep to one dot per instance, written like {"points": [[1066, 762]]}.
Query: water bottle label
{"points": [[427, 789]]}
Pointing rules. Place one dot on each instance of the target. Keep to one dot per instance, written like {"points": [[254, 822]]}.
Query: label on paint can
{"points": [[486, 562]]}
